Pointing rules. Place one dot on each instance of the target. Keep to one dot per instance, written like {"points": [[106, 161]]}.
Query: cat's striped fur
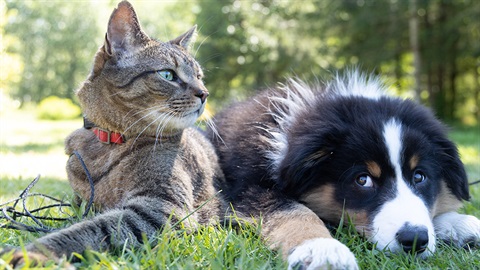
{"points": [[151, 92]]}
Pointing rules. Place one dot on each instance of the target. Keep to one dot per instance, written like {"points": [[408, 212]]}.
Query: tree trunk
{"points": [[414, 45], [453, 75], [476, 94]]}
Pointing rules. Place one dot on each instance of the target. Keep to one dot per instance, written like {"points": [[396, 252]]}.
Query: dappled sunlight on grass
{"points": [[471, 158], [29, 147], [29, 165], [13, 186], [468, 142]]}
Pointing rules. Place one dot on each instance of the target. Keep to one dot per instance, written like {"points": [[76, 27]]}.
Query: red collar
{"points": [[105, 136], [108, 137]]}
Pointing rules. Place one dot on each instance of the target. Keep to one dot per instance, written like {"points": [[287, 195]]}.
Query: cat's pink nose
{"points": [[202, 95]]}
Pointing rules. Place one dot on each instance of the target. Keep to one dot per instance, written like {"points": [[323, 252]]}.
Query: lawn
{"points": [[29, 147]]}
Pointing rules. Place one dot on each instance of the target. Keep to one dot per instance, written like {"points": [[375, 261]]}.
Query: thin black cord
{"points": [[11, 214], [90, 180], [24, 197], [13, 224], [474, 182]]}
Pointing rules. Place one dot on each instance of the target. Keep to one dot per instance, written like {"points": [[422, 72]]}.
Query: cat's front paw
{"points": [[18, 259], [322, 253], [29, 258], [457, 229]]}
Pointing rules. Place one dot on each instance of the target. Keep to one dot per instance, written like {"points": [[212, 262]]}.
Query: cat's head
{"points": [[139, 85]]}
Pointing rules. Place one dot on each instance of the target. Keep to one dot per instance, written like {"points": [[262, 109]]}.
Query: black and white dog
{"points": [[299, 156]]}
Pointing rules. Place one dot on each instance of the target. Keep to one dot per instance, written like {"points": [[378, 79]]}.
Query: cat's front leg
{"points": [[457, 229], [137, 218]]}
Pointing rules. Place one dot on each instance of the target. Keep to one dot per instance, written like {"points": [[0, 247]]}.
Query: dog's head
{"points": [[384, 161]]}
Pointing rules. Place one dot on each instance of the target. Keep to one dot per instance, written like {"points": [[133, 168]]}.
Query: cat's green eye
{"points": [[167, 74]]}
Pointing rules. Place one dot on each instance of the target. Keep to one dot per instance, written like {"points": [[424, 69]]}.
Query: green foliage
{"points": [[468, 141], [253, 44], [56, 43], [247, 45], [55, 108]]}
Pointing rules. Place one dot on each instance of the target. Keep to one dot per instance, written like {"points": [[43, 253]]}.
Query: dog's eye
{"points": [[418, 177], [364, 180]]}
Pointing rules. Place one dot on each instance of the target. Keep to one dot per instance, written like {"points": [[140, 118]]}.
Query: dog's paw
{"points": [[322, 253], [457, 229]]}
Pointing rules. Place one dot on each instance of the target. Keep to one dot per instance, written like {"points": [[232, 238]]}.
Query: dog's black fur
{"points": [[281, 145]]}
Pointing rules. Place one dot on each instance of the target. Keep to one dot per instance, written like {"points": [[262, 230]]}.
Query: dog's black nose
{"points": [[413, 238]]}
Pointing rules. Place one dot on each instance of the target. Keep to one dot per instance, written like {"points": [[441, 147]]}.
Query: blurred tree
{"points": [[56, 42], [248, 45], [376, 35], [254, 44], [373, 35], [169, 19], [451, 48], [415, 47]]}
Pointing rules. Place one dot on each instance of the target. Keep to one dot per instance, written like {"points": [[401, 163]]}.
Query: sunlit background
{"points": [[424, 49]]}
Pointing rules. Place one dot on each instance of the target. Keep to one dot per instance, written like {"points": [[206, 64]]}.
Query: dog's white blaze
{"points": [[406, 207], [392, 133]]}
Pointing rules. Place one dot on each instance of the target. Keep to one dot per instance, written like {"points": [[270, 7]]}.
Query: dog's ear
{"points": [[446, 153], [305, 159], [453, 170]]}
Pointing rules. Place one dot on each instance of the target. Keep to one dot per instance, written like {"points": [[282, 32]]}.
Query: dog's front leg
{"points": [[304, 240], [457, 229]]}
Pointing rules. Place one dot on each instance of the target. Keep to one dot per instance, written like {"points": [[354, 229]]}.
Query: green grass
{"points": [[29, 147]]}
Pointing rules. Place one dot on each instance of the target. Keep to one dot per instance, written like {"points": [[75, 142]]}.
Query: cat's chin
{"points": [[200, 111], [180, 123]]}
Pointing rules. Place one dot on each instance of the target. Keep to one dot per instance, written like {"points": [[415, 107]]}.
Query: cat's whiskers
{"points": [[163, 115], [201, 43], [154, 110], [208, 120], [162, 123], [138, 120], [157, 107], [213, 56]]}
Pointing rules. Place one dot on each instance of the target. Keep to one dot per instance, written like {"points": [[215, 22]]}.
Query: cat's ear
{"points": [[124, 32], [185, 40]]}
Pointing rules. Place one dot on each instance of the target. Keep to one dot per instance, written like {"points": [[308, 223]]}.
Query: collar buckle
{"points": [[108, 137], [103, 135]]}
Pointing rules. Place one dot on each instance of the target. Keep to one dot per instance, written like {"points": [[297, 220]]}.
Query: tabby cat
{"points": [[149, 166]]}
